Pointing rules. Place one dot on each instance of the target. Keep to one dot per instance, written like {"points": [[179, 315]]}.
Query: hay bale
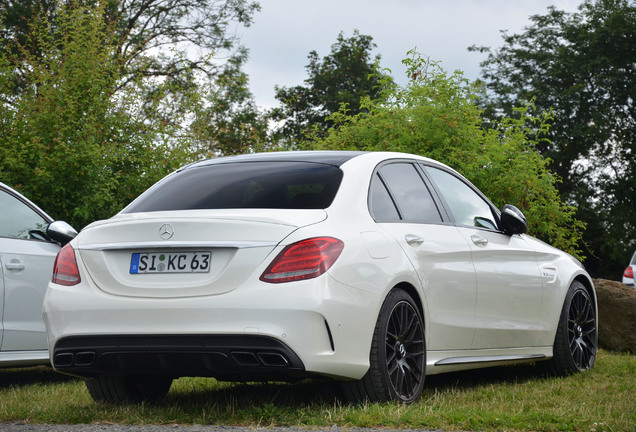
{"points": [[616, 316]]}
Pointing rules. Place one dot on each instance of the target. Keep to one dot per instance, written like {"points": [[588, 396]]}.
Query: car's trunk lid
{"points": [[184, 253]]}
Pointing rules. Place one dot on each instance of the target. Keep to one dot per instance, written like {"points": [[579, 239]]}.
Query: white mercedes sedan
{"points": [[374, 269]]}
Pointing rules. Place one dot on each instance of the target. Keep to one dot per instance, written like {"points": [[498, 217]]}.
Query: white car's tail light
{"points": [[305, 259], [65, 271], [629, 272]]}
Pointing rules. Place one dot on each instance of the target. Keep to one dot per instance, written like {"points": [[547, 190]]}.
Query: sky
{"points": [[285, 31]]}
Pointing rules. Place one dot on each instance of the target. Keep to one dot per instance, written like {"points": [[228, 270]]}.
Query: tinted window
{"points": [[290, 185], [18, 219], [413, 199], [382, 206], [465, 204]]}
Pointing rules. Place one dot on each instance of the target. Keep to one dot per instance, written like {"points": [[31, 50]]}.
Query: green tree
{"points": [[166, 49], [582, 66], [68, 142], [227, 120], [343, 77], [436, 115]]}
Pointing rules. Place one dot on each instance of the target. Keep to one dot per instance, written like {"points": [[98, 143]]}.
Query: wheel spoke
{"points": [[405, 318], [413, 329], [414, 369], [589, 341], [394, 326], [391, 355], [587, 355], [393, 367], [408, 379]]}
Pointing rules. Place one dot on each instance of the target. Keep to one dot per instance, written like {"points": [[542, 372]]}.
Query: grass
{"points": [[514, 398]]}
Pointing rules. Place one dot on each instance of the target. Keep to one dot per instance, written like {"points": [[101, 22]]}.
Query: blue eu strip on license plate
{"points": [[134, 263], [170, 262]]}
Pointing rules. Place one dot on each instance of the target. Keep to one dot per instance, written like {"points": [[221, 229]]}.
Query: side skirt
{"points": [[495, 359], [451, 361], [10, 359]]}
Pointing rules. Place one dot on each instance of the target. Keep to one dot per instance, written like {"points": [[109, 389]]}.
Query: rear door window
{"points": [[398, 192]]}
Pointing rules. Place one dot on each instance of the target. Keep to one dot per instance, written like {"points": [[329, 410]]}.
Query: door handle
{"points": [[15, 265], [413, 240], [479, 240]]}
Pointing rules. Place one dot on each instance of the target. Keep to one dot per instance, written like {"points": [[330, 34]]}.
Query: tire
{"points": [[126, 389], [576, 340], [398, 355]]}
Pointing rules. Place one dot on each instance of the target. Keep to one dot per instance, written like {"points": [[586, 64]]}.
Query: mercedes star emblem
{"points": [[166, 231]]}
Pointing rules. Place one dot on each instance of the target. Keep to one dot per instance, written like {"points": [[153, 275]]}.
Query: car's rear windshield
{"points": [[279, 185]]}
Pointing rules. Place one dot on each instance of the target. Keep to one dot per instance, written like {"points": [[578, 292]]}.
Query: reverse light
{"points": [[305, 259], [629, 272], [65, 271]]}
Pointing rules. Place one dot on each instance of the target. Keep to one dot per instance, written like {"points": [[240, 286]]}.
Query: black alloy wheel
{"points": [[405, 352], [582, 330]]}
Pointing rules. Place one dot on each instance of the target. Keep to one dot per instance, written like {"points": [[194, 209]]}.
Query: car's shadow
{"points": [[515, 374], [23, 377], [307, 392], [244, 395], [328, 392]]}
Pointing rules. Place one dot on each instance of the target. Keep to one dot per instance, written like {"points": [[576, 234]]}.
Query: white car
{"points": [[374, 269], [628, 274], [29, 242]]}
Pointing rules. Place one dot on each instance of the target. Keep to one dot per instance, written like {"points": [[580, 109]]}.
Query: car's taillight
{"points": [[305, 259], [629, 272], [65, 270]]}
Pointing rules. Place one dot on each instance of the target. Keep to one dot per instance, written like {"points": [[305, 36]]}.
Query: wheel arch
{"points": [[415, 295], [589, 286], [587, 283]]}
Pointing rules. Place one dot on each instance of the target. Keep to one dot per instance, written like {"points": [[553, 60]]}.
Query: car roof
{"points": [[328, 157]]}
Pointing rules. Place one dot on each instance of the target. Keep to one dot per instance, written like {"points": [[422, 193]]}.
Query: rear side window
{"points": [[382, 206], [280, 185], [411, 200]]}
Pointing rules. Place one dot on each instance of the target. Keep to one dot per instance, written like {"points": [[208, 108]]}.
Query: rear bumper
{"points": [[258, 331], [226, 357]]}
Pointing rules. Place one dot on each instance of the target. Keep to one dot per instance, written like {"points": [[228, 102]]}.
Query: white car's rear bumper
{"points": [[317, 326]]}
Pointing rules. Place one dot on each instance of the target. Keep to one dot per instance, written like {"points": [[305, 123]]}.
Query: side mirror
{"points": [[513, 221], [61, 232]]}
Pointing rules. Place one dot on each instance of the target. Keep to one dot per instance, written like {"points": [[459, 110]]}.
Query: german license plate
{"points": [[170, 262]]}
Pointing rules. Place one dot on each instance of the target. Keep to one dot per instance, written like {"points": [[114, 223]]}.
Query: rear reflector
{"points": [[65, 271], [305, 259]]}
